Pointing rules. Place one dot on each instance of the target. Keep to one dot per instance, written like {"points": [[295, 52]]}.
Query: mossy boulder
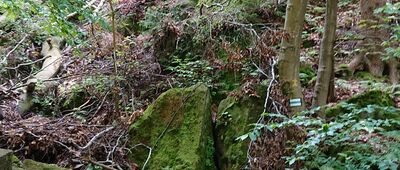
{"points": [[235, 114], [33, 165], [373, 97], [9, 161], [343, 72], [177, 127], [5, 159]]}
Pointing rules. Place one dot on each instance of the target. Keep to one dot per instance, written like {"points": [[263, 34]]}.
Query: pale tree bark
{"points": [[289, 59], [324, 86]]}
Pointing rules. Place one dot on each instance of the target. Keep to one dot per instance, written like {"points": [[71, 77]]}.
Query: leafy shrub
{"points": [[362, 138], [391, 12]]}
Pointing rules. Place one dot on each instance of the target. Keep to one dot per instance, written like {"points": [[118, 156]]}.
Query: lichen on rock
{"points": [[177, 128]]}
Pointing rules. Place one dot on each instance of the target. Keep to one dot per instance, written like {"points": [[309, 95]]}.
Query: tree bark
{"points": [[289, 59], [325, 79], [371, 48]]}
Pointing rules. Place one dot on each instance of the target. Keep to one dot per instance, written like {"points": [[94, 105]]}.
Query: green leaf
{"points": [[253, 136], [243, 137]]}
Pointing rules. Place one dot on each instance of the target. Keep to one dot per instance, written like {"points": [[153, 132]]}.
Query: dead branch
{"points": [[148, 157], [102, 165], [99, 6], [27, 64], [272, 81], [72, 15], [94, 139], [101, 104], [113, 150], [16, 46]]}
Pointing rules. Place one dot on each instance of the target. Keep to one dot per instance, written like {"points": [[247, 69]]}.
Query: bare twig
{"points": [[101, 104], [30, 76], [16, 46], [99, 6], [113, 150], [272, 80], [72, 15], [148, 156], [94, 138], [28, 63], [102, 165]]}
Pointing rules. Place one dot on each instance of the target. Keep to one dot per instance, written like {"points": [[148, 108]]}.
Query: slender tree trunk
{"points": [[324, 86], [289, 59]]}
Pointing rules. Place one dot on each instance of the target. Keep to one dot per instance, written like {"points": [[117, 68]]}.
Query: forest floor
{"points": [[95, 131]]}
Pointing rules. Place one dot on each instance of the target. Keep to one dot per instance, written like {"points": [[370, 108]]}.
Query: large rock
{"points": [[5, 159], [10, 162], [235, 114], [33, 165], [177, 127]]}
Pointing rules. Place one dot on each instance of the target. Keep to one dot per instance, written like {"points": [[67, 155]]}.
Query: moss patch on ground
{"points": [[373, 97]]}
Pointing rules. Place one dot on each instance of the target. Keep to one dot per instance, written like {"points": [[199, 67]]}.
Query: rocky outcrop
{"points": [[235, 114], [5, 159], [175, 131], [29, 164], [10, 162]]}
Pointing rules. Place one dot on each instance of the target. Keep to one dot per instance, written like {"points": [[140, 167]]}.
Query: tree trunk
{"points": [[289, 59], [325, 79], [371, 48]]}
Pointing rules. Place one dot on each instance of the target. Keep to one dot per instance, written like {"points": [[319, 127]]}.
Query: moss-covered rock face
{"points": [[234, 116], [373, 97], [5, 159], [33, 165], [177, 126]]}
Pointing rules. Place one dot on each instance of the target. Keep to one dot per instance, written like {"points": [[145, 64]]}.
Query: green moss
{"points": [[16, 162], [177, 126], [33, 165], [227, 82], [234, 117], [343, 71], [307, 74], [5, 159], [373, 97], [363, 75]]}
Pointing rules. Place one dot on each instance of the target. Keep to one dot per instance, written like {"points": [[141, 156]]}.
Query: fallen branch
{"points": [[72, 15], [148, 156], [102, 165], [113, 150], [273, 62], [94, 139], [16, 46], [27, 64]]}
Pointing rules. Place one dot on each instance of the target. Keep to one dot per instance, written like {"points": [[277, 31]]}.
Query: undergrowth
{"points": [[361, 138]]}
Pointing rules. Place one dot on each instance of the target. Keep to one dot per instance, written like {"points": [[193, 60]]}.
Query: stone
{"points": [[235, 114], [177, 128], [29, 164], [5, 159]]}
